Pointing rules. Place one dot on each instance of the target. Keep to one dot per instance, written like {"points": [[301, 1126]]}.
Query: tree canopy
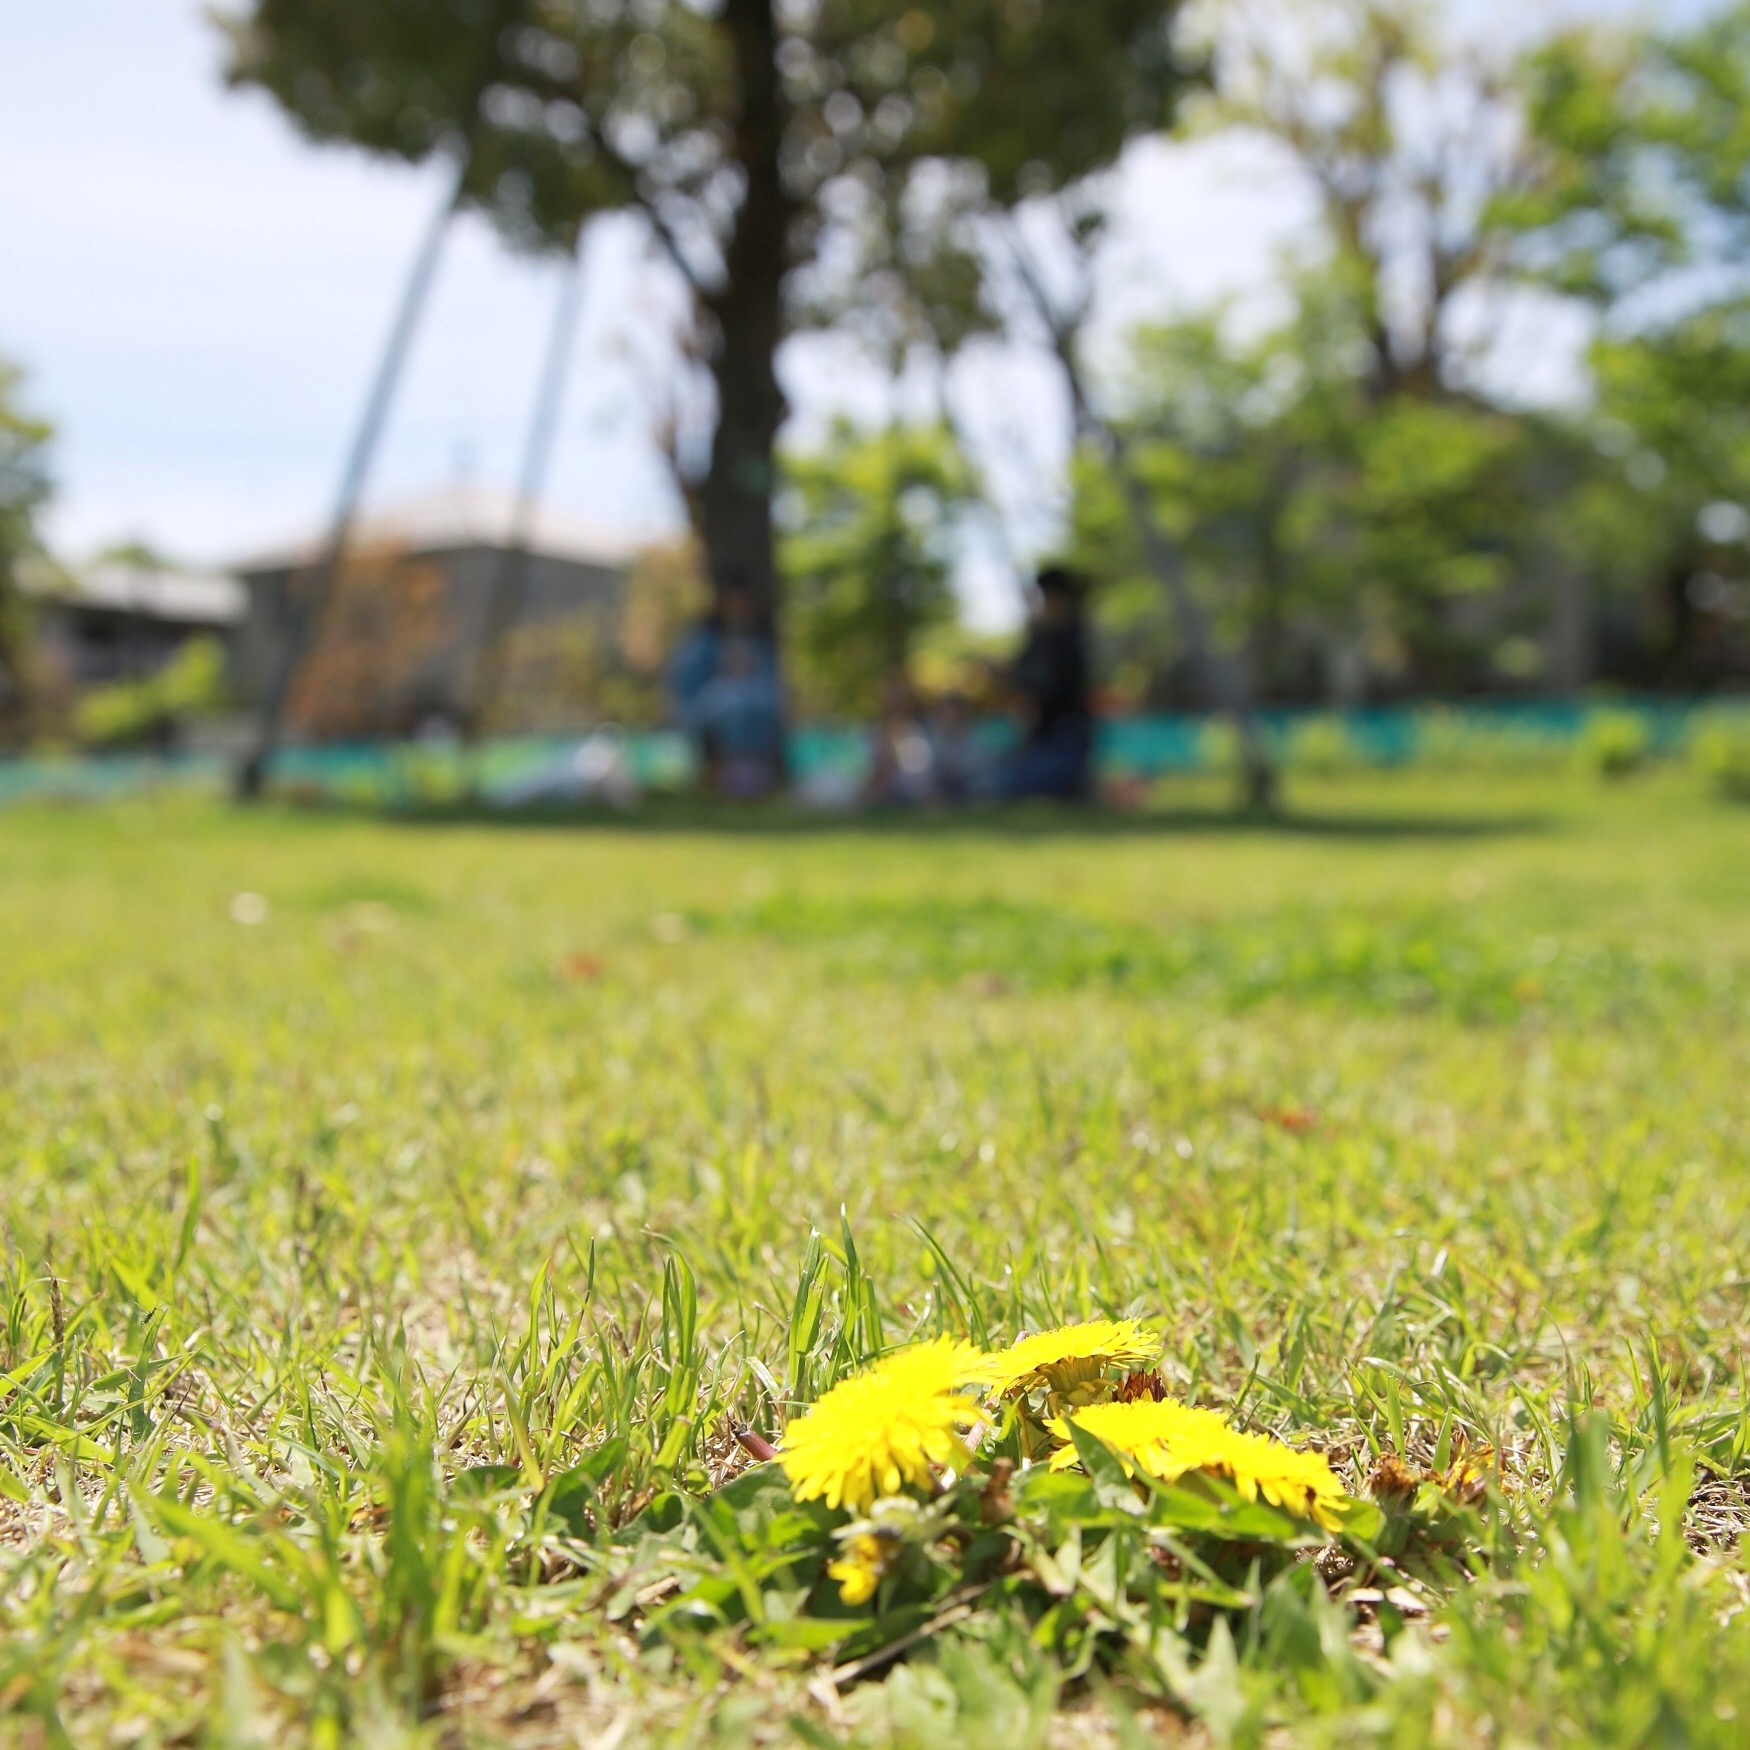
{"points": [[1333, 531], [1645, 215], [747, 135], [871, 525], [24, 489], [1646, 139]]}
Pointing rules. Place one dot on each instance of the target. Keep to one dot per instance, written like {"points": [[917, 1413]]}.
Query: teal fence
{"points": [[829, 760]]}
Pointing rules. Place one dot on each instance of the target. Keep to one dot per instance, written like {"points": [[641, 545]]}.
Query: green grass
{"points": [[363, 1270]]}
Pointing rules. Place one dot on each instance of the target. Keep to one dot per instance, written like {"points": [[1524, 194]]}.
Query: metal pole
{"points": [[304, 619], [510, 579]]}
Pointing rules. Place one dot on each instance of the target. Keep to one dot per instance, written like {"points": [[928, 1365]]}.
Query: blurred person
{"points": [[958, 769], [724, 681], [903, 770], [1049, 683]]}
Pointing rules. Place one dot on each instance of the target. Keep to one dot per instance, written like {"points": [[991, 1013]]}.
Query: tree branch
{"points": [[660, 227]]}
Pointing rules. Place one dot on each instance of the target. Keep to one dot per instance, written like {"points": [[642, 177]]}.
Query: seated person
{"points": [[724, 679], [957, 766], [1049, 680], [902, 770]]}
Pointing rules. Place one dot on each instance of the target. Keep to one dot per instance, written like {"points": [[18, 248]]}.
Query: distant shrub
{"points": [[1719, 749], [1615, 743], [192, 684], [1322, 746], [1218, 747], [1460, 740]]}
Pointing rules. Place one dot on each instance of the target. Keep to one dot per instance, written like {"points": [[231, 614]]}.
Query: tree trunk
{"points": [[1225, 682], [1676, 635], [1269, 617], [735, 499], [15, 678], [1570, 629]]}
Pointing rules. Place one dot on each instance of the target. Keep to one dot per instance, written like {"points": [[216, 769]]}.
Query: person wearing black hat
{"points": [[1050, 682]]}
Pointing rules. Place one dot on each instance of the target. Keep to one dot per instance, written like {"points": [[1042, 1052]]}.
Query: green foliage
{"points": [[1449, 740], [1719, 747], [1430, 480], [1647, 160], [24, 488], [1596, 1625], [1308, 509], [867, 555], [1645, 212], [1210, 422], [1671, 419], [1353, 513], [1098, 1569], [545, 92], [191, 684], [24, 482], [1407, 130], [1614, 743], [1322, 745]]}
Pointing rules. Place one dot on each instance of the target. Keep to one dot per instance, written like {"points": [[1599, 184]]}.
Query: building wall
{"points": [[93, 647], [450, 637]]}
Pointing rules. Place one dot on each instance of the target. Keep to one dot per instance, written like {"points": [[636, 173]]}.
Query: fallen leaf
{"points": [[1296, 1120]]}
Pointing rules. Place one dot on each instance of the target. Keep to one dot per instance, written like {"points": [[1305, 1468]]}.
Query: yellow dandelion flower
{"points": [[1073, 1358], [859, 1570], [884, 1430], [1161, 1438], [1169, 1440]]}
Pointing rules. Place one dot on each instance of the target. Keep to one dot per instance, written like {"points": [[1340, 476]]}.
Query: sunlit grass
{"points": [[367, 1265]]}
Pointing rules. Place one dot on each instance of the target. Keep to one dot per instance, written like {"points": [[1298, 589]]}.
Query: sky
{"points": [[198, 298]]}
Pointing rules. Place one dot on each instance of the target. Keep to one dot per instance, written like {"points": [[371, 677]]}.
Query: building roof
{"points": [[467, 516], [153, 592]]}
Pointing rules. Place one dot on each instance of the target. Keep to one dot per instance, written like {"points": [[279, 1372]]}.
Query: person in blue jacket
{"points": [[724, 682]]}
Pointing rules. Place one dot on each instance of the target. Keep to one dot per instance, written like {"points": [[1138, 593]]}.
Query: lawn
{"points": [[396, 1217]]}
